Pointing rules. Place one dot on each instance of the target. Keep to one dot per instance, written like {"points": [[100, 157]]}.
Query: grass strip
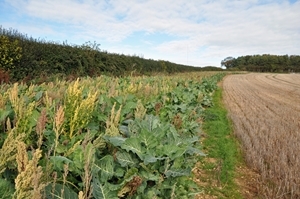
{"points": [[222, 151]]}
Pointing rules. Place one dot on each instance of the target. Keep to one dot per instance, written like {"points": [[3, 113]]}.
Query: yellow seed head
{"points": [[59, 119], [140, 110], [28, 182], [21, 157]]}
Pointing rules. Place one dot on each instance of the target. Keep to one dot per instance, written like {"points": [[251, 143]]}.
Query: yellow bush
{"points": [[10, 53]]}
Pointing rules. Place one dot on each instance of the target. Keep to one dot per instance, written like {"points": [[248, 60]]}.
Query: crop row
{"points": [[131, 137]]}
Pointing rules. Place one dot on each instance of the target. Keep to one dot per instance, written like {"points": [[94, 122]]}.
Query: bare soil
{"points": [[265, 110]]}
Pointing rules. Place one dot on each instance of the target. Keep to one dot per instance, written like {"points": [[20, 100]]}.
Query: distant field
{"points": [[265, 109]]}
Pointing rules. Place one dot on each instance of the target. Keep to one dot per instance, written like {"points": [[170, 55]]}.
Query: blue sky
{"points": [[193, 32]]}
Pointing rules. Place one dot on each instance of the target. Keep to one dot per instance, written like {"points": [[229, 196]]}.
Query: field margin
{"points": [[217, 171]]}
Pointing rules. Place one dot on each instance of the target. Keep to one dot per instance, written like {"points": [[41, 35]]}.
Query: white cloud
{"points": [[204, 31]]}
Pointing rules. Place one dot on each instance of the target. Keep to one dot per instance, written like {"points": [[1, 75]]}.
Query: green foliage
{"points": [[41, 59], [264, 63], [59, 191], [154, 149], [103, 191], [227, 62], [10, 53], [6, 189], [150, 154], [222, 147]]}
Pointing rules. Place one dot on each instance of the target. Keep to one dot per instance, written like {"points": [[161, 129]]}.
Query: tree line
{"points": [[26, 58], [263, 63]]}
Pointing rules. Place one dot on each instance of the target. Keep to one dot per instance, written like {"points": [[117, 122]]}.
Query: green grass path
{"points": [[222, 151]]}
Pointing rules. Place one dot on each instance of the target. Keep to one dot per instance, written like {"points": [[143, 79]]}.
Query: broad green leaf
{"points": [[78, 158], [150, 175], [179, 163], [191, 150], [33, 118], [118, 99], [148, 139], [60, 147], [151, 193], [193, 125], [154, 122], [130, 174], [116, 141], [163, 129], [59, 161], [172, 135], [141, 188], [172, 151], [182, 108], [177, 172], [151, 159], [134, 128], [124, 130], [106, 167], [119, 171], [101, 117], [128, 106], [178, 153], [151, 122], [38, 95], [67, 193], [4, 114], [192, 139], [93, 126], [102, 190], [125, 159], [113, 187], [133, 144]]}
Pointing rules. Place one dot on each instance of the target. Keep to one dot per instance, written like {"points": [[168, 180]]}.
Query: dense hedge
{"points": [[40, 58]]}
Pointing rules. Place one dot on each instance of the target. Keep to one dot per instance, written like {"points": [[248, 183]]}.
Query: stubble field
{"points": [[265, 110]]}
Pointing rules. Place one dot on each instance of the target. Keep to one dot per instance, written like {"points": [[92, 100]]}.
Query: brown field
{"points": [[265, 110]]}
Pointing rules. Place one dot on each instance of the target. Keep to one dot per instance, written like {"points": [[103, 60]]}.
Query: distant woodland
{"points": [[264, 63]]}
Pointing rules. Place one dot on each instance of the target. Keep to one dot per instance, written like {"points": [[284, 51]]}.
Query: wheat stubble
{"points": [[265, 110]]}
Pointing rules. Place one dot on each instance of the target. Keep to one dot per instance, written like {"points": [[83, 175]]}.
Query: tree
{"points": [[228, 62]]}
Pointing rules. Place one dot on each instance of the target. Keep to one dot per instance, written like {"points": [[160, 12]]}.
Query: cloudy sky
{"points": [[191, 32]]}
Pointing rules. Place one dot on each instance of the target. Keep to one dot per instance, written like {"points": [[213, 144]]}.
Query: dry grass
{"points": [[265, 110]]}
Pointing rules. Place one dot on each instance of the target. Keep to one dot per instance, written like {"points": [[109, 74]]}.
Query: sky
{"points": [[190, 32]]}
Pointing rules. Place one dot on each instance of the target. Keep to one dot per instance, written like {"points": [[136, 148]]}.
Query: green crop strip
{"points": [[222, 149], [131, 137]]}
